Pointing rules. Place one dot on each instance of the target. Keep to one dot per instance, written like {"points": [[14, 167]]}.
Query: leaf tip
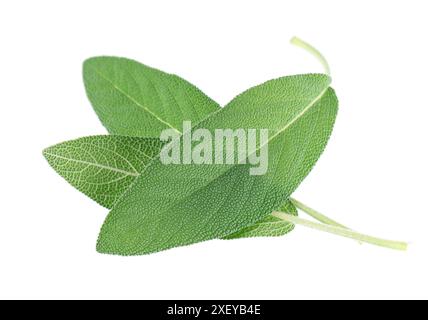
{"points": [[45, 152], [102, 246], [87, 63], [107, 244], [90, 63]]}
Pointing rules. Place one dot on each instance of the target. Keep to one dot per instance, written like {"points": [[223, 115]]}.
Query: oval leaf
{"points": [[132, 99], [102, 167]]}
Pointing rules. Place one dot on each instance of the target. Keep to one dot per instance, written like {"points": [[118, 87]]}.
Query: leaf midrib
{"points": [[94, 164], [297, 117]]}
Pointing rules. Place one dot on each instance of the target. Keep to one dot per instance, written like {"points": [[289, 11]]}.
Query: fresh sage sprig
{"points": [[154, 213]]}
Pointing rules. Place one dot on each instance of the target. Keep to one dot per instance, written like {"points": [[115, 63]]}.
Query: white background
{"points": [[372, 176]]}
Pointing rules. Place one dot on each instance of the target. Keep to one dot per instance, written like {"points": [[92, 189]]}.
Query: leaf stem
{"points": [[396, 245], [306, 46], [316, 215]]}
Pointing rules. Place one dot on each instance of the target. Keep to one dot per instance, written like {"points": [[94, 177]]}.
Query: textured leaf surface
{"points": [[270, 226], [132, 99], [177, 205], [102, 167]]}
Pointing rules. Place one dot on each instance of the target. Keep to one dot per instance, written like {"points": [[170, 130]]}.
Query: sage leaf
{"points": [[103, 167], [132, 99], [177, 205]]}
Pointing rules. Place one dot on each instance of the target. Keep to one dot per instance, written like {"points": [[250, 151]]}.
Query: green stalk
{"points": [[396, 245], [315, 214], [306, 46]]}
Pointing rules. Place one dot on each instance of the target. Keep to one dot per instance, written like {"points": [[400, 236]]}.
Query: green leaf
{"points": [[270, 226], [103, 167], [175, 205], [132, 99]]}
